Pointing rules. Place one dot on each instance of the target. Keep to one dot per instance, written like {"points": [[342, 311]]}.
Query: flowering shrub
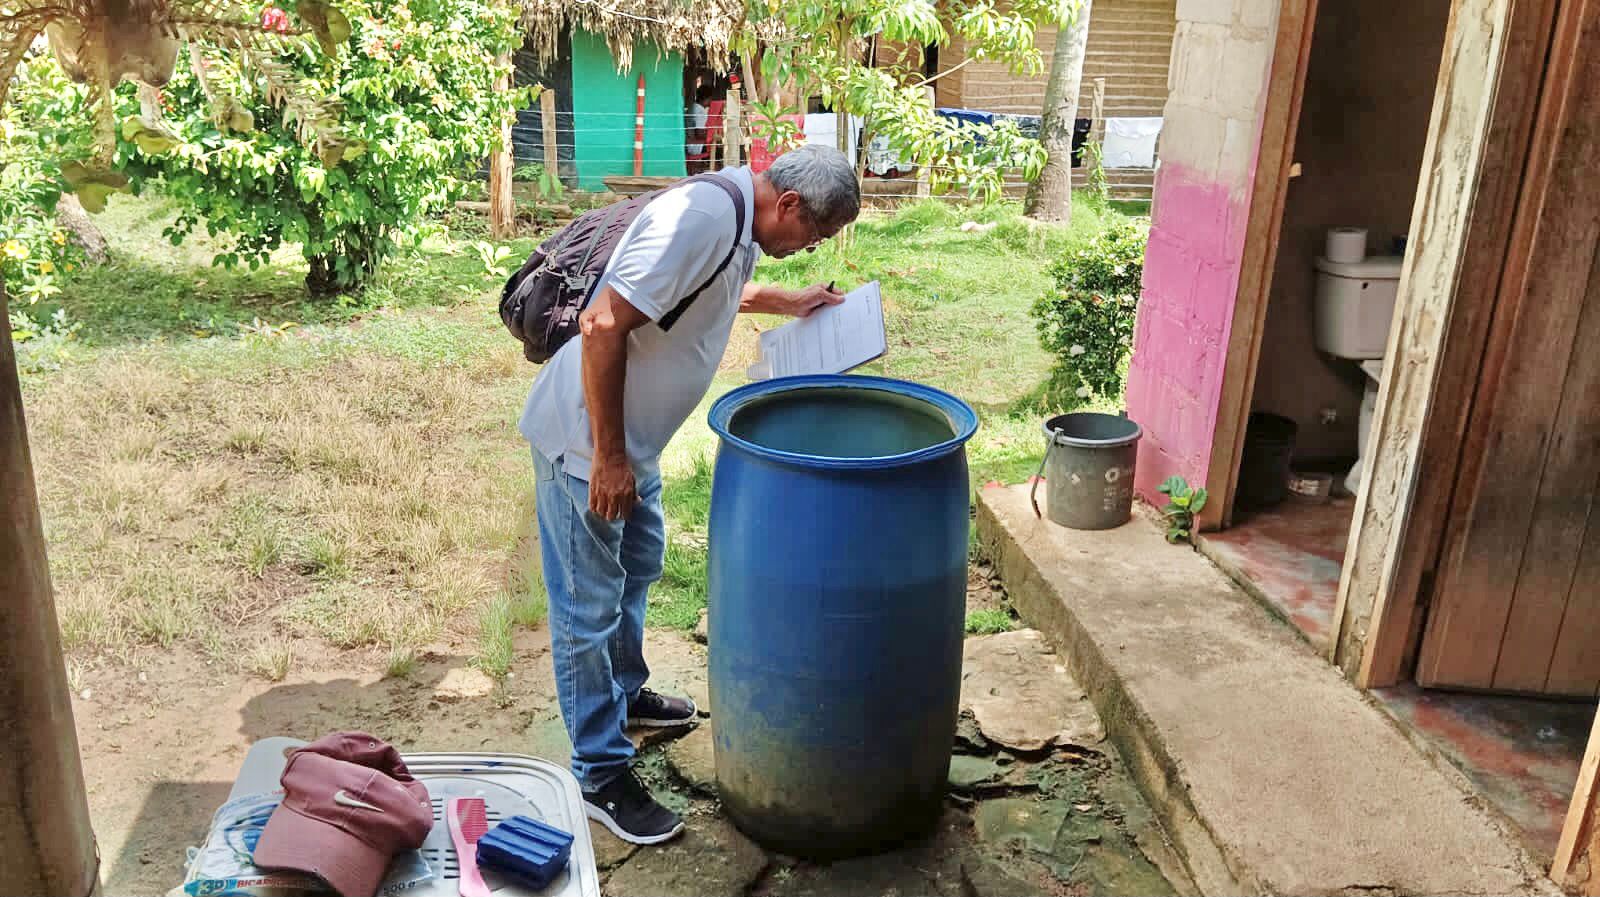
{"points": [[418, 113], [1086, 320], [34, 252]]}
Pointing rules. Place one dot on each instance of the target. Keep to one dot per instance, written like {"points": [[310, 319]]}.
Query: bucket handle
{"points": [[1033, 493]]}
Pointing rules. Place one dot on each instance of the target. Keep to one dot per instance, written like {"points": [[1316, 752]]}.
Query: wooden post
{"points": [[1097, 112], [638, 131], [547, 118], [502, 204], [46, 843], [1093, 172], [1580, 837], [732, 130], [924, 187]]}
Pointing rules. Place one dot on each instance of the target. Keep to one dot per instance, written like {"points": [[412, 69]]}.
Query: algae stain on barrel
{"points": [[838, 548]]}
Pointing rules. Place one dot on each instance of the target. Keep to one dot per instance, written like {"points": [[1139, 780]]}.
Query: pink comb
{"points": [[469, 820]]}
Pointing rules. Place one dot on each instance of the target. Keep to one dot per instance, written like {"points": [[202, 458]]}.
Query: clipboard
{"points": [[831, 340]]}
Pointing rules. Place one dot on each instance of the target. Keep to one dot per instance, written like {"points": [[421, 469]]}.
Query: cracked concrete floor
{"points": [[1039, 806]]}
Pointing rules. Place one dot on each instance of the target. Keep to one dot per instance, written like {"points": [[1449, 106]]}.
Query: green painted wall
{"points": [[603, 103]]}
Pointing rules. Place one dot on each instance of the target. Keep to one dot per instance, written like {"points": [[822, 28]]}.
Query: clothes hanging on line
{"points": [[1080, 136], [1131, 142]]}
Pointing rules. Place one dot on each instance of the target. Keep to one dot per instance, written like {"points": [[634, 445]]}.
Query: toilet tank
{"points": [[1355, 306]]}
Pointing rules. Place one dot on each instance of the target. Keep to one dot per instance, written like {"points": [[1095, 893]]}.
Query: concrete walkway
{"points": [[1272, 774]]}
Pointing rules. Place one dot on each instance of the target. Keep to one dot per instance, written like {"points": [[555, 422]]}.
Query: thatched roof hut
{"points": [[668, 24]]}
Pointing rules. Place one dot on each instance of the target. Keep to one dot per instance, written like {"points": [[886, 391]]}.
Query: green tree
{"points": [[820, 44], [1050, 195], [102, 43], [417, 110]]}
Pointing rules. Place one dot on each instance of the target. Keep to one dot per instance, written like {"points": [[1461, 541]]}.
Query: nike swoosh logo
{"points": [[343, 799]]}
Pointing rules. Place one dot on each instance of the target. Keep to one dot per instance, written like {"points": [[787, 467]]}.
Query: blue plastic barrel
{"points": [[838, 573]]}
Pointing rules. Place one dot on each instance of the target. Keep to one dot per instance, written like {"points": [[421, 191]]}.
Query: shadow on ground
{"points": [[173, 815]]}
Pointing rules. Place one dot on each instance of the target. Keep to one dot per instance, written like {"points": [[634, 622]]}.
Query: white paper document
{"points": [[831, 340]]}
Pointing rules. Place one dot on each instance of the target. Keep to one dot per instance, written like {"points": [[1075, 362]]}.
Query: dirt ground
{"points": [[163, 737]]}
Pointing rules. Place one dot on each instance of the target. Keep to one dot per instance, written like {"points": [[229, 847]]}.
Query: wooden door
{"points": [[1516, 598]]}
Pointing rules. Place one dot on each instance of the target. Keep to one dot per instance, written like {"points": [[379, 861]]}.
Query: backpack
{"points": [[542, 300]]}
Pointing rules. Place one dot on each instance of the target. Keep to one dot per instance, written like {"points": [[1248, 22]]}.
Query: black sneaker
{"points": [[660, 711], [625, 807]]}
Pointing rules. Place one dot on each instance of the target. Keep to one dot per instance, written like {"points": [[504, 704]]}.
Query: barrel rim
{"points": [[1060, 438], [962, 418]]}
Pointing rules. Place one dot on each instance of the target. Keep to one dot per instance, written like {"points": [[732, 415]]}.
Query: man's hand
{"points": [[795, 303], [814, 297], [612, 491]]}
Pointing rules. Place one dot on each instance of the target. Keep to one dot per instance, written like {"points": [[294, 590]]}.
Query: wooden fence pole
{"points": [[1093, 168], [1097, 111], [732, 130], [924, 187], [547, 118], [46, 844], [502, 204]]}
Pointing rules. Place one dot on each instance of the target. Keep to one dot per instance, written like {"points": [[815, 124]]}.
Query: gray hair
{"points": [[825, 180]]}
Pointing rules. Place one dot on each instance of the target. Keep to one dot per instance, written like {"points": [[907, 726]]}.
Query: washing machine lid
{"points": [[1373, 267]]}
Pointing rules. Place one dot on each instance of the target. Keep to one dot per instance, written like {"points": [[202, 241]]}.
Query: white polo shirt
{"points": [[671, 248]]}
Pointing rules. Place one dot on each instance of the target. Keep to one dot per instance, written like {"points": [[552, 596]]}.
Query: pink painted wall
{"points": [[1209, 145], [1191, 279]]}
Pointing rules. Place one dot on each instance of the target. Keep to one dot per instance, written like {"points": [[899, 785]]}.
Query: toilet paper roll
{"points": [[1347, 245]]}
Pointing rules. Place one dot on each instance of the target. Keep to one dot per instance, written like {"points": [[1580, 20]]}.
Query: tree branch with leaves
{"points": [[819, 45], [102, 43]]}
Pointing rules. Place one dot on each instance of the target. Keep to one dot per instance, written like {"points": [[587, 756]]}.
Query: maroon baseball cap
{"points": [[349, 805]]}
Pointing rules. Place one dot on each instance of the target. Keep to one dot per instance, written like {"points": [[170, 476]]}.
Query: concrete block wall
{"points": [[1218, 86]]}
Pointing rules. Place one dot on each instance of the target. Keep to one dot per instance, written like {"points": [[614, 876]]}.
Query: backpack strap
{"points": [[671, 317], [582, 279]]}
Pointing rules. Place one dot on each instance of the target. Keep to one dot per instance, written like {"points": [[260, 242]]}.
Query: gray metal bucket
{"points": [[1088, 470]]}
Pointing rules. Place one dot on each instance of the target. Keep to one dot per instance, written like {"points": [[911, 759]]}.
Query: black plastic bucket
{"points": [[1264, 470]]}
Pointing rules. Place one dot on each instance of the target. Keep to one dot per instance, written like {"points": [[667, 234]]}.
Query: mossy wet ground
{"points": [[1068, 821]]}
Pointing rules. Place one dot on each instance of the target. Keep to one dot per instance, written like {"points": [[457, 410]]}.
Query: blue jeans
{"points": [[597, 573]]}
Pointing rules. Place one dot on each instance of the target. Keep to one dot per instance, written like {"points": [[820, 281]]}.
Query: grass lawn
{"points": [[215, 478]]}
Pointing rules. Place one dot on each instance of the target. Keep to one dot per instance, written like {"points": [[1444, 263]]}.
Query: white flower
{"points": [[1118, 270], [1085, 392], [1076, 350]]}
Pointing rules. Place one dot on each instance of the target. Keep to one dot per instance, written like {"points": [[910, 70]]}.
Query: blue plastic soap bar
{"points": [[526, 849]]}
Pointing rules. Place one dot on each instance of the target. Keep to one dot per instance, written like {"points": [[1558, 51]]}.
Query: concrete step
{"points": [[1272, 774]]}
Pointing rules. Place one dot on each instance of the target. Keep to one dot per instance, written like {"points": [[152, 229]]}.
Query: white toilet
{"points": [[1354, 308]]}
